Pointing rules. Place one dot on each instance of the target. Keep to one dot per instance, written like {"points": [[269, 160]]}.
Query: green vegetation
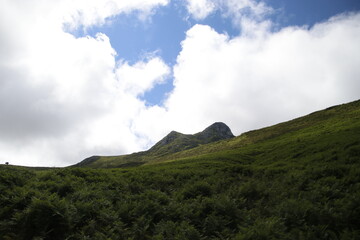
{"points": [[294, 180], [165, 149]]}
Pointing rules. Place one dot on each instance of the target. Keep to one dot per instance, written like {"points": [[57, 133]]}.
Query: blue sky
{"points": [[162, 34], [91, 77]]}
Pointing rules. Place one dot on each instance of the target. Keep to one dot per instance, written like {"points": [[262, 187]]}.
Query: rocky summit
{"points": [[172, 143], [175, 141], [215, 132], [298, 179]]}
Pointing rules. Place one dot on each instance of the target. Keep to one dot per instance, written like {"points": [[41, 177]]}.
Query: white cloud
{"points": [[62, 98], [200, 9], [142, 76], [251, 82], [255, 8], [235, 9], [96, 12]]}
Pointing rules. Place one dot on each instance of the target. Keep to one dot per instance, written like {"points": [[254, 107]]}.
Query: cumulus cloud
{"points": [[252, 82], [64, 98], [142, 76], [200, 9]]}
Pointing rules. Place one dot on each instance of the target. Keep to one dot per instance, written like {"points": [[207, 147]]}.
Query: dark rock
{"points": [[215, 132], [172, 143], [175, 141]]}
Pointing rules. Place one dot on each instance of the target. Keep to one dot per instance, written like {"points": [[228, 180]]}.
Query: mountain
{"points": [[172, 143], [176, 142], [298, 179], [175, 146]]}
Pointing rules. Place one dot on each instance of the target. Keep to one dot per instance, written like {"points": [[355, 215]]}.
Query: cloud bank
{"points": [[61, 97], [64, 98], [251, 82]]}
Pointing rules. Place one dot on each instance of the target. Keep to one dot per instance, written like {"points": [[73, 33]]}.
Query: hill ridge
{"points": [[331, 116], [215, 132], [298, 179], [172, 143]]}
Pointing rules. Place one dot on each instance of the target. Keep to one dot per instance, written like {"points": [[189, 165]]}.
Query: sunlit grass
{"points": [[295, 180]]}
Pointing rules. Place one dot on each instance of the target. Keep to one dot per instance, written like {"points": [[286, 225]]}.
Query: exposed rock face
{"points": [[172, 143], [215, 132], [175, 141]]}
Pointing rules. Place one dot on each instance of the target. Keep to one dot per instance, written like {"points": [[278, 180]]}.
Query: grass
{"points": [[295, 180], [318, 123], [165, 149]]}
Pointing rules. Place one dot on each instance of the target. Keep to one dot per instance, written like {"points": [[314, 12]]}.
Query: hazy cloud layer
{"points": [[200, 9], [64, 98], [237, 9]]}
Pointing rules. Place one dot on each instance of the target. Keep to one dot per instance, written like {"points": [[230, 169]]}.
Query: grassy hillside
{"points": [[165, 149], [294, 180], [317, 123]]}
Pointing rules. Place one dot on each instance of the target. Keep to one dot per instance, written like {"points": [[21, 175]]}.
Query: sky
{"points": [[93, 77]]}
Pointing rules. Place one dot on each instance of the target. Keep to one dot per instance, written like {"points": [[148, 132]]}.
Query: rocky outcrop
{"points": [[175, 141], [215, 132], [171, 143]]}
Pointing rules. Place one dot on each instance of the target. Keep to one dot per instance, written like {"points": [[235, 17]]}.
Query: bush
{"points": [[197, 189], [46, 218]]}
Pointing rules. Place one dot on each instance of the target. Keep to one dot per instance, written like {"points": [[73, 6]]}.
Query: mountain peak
{"points": [[172, 143], [175, 141], [219, 128], [169, 138], [215, 132]]}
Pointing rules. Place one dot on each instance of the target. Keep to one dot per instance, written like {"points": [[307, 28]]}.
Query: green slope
{"points": [[295, 180], [322, 122], [172, 143]]}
